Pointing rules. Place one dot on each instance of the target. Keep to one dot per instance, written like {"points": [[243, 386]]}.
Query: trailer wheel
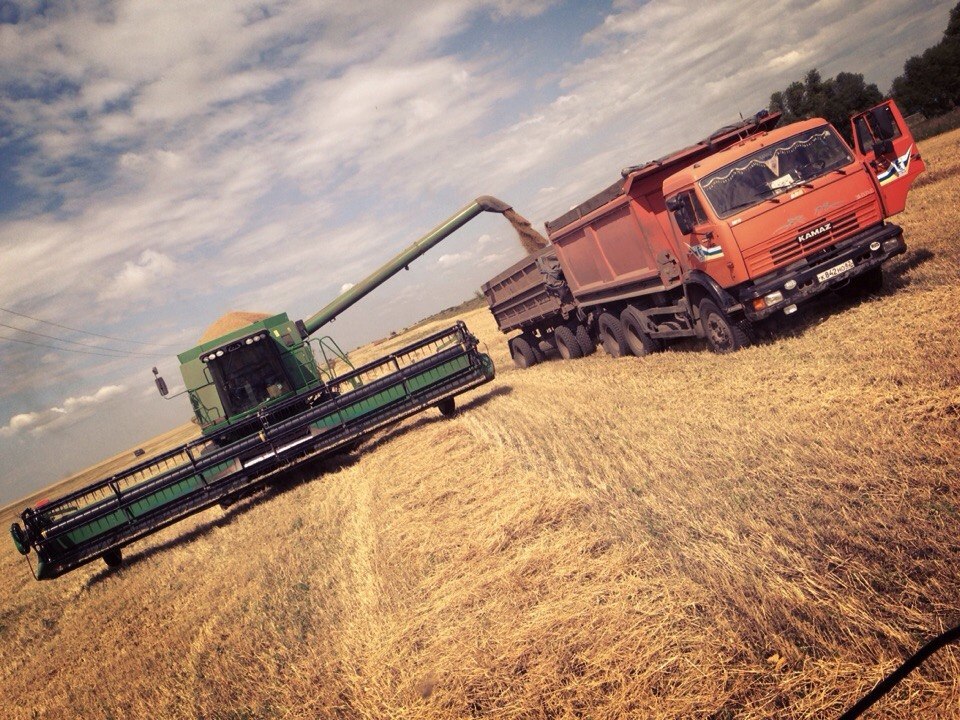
{"points": [[567, 344], [587, 344], [522, 352], [611, 336], [636, 337], [447, 407], [113, 558], [723, 335]]}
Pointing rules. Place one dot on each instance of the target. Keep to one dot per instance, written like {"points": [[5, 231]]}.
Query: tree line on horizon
{"points": [[930, 85]]}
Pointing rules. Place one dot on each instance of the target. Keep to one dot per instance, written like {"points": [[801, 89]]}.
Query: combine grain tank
{"points": [[266, 396]]}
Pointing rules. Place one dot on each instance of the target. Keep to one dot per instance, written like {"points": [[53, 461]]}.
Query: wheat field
{"points": [[758, 535]]}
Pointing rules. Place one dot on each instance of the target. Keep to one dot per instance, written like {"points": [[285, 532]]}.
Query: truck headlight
{"points": [[773, 298]]}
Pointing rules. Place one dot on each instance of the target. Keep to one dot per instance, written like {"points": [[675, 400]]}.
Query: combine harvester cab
{"points": [[264, 403]]}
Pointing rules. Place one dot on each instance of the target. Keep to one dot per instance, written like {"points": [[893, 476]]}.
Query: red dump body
{"points": [[621, 241]]}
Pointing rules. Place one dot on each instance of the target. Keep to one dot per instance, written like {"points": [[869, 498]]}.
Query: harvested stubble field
{"points": [[758, 535]]}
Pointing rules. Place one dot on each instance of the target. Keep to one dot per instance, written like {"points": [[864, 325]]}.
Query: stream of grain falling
{"points": [[531, 240]]}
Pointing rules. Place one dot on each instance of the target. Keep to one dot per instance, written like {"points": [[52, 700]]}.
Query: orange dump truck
{"points": [[707, 241]]}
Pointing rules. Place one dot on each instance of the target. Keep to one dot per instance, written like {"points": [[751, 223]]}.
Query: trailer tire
{"points": [[113, 558], [637, 340], [447, 407], [567, 344], [522, 352], [587, 344], [611, 336], [723, 335]]}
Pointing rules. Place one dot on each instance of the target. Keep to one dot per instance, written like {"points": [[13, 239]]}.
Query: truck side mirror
{"points": [[161, 383], [882, 122], [679, 205]]}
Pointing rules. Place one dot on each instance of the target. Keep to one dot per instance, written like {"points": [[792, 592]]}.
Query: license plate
{"points": [[834, 271]]}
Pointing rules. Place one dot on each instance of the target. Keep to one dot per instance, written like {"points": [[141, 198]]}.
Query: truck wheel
{"points": [[521, 352], [868, 283], [113, 558], [637, 340], [611, 336], [587, 344], [722, 334], [567, 344], [447, 407]]}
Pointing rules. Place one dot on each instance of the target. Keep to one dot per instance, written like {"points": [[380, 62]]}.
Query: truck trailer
{"points": [[710, 240]]}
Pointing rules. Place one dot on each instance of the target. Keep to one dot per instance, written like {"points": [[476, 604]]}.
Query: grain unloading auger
{"points": [[265, 396]]}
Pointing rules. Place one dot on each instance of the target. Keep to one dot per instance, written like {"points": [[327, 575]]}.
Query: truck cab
{"points": [[786, 214]]}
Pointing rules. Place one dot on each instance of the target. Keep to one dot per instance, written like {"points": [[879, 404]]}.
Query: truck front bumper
{"points": [[799, 281]]}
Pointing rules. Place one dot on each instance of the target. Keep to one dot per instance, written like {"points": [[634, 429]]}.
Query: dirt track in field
{"points": [[764, 534]]}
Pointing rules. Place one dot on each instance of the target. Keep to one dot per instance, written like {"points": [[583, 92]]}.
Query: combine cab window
{"points": [[775, 170], [248, 376]]}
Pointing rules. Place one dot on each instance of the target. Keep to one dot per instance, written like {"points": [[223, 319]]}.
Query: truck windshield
{"points": [[775, 169]]}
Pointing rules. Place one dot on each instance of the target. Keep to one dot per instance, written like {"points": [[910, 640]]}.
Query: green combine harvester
{"points": [[266, 396]]}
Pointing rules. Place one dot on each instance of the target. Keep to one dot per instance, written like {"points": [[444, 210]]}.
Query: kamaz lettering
{"points": [[810, 234]]}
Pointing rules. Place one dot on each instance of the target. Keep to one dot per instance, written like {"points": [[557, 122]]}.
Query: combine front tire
{"points": [[447, 407], [723, 335], [567, 344], [113, 558], [611, 336], [19, 539]]}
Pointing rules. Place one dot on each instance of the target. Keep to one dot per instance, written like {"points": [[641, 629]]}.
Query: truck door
{"points": [[883, 141]]}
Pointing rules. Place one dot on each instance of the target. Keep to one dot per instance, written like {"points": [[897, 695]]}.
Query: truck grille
{"points": [[787, 248]]}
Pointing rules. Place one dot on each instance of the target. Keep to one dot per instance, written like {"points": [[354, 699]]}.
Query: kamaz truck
{"points": [[709, 240]]}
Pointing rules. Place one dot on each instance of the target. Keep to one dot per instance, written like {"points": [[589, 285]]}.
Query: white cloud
{"points": [[69, 411], [139, 278]]}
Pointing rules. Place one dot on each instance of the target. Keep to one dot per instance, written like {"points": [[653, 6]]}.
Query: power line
{"points": [[54, 347], [73, 342], [85, 332]]}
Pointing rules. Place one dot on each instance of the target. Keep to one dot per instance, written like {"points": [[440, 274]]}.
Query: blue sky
{"points": [[163, 163]]}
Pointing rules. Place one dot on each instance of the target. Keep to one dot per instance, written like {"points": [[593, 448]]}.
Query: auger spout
{"points": [[343, 301]]}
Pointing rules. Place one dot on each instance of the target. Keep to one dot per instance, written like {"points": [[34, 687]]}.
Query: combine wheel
{"points": [[722, 334], [567, 344], [20, 539], [113, 558], [522, 352], [636, 337], [611, 336], [587, 344], [447, 407]]}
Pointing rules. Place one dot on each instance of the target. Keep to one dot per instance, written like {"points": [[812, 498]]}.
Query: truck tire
{"points": [[588, 345], [522, 353], [723, 334], [868, 283], [611, 336], [637, 340], [567, 344]]}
